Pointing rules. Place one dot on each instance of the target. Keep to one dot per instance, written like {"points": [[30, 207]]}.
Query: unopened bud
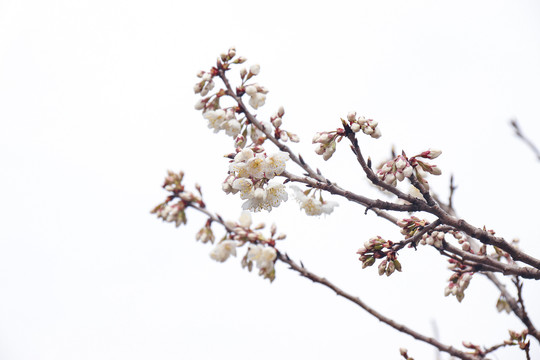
{"points": [[255, 69]]}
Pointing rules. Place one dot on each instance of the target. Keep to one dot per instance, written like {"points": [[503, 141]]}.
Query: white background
{"points": [[96, 103]]}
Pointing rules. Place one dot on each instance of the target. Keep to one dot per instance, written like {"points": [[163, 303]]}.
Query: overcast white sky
{"points": [[96, 103]]}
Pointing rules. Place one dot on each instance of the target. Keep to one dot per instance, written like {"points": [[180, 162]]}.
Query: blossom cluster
{"points": [[368, 126], [394, 170], [173, 208], [459, 280], [327, 140], [250, 173], [233, 119], [311, 204], [402, 167], [374, 249], [326, 143], [434, 238], [260, 251]]}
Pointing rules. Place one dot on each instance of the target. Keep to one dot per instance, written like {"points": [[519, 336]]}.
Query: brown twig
{"points": [[506, 269], [400, 327], [520, 135]]}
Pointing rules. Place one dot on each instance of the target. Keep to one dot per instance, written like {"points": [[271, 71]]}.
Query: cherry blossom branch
{"points": [[369, 172], [401, 328], [305, 273], [519, 134], [434, 208], [431, 205], [370, 204], [282, 147]]}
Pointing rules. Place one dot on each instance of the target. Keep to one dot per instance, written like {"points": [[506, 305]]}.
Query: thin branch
{"points": [[520, 135], [514, 305], [451, 195], [495, 347], [369, 172], [297, 159], [525, 317], [370, 204], [506, 269], [400, 327], [486, 238], [416, 237]]}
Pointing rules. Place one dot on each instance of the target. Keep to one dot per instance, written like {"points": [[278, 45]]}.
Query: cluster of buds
{"points": [[458, 281], [518, 338], [250, 172], [421, 167], [394, 170], [326, 140], [368, 126], [410, 226], [276, 120], [311, 204], [402, 167], [206, 83], [374, 249], [326, 143], [434, 238], [171, 211]]}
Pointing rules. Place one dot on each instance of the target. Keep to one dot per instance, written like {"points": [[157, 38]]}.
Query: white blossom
{"points": [[311, 205], [223, 250], [245, 219], [232, 127], [245, 186], [215, 118], [263, 256], [275, 164], [257, 100]]}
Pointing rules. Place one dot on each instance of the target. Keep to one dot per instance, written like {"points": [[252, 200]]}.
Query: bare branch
{"points": [[400, 327]]}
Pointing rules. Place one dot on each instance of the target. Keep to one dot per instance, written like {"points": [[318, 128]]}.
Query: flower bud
{"points": [[390, 268], [251, 90], [382, 267], [255, 69], [243, 73], [403, 351]]}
